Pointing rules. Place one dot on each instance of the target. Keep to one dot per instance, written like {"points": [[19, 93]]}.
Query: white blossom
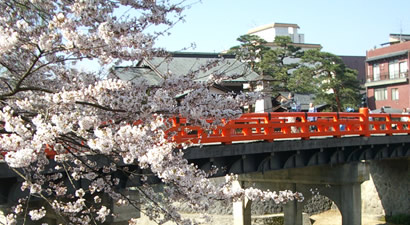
{"points": [[102, 213], [37, 214], [80, 193], [11, 219], [21, 158]]}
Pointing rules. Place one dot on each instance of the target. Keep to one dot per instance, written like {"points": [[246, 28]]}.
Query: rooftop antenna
{"points": [[401, 31]]}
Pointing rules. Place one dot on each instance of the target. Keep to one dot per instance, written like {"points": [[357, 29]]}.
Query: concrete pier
{"points": [[340, 183]]}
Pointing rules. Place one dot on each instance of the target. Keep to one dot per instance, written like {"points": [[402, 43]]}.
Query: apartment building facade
{"points": [[387, 73]]}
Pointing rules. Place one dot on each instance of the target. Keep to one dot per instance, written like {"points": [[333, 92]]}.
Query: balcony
{"points": [[387, 79]]}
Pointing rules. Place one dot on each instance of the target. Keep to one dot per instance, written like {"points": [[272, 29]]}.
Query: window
{"points": [[380, 94], [394, 94], [403, 69], [394, 69], [376, 72]]}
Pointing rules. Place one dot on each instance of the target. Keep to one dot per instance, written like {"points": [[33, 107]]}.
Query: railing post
{"points": [[267, 129], [304, 129], [257, 129], [336, 126], [181, 130], [246, 131], [388, 125], [364, 121], [226, 133], [49, 150]]}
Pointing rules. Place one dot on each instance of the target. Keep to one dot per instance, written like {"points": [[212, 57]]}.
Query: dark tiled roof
{"points": [[303, 99], [185, 65], [155, 69]]}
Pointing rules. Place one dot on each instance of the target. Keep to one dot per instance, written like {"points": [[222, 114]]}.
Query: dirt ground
{"points": [[333, 217]]}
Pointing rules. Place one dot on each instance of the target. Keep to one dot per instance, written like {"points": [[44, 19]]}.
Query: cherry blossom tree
{"points": [[102, 132]]}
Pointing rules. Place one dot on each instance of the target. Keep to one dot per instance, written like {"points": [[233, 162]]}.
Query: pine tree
{"points": [[336, 84]]}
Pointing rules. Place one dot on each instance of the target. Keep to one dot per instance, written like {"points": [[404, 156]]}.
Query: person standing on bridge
{"points": [[382, 126], [312, 109], [405, 118]]}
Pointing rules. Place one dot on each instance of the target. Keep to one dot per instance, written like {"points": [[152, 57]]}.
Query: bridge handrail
{"points": [[280, 125]]}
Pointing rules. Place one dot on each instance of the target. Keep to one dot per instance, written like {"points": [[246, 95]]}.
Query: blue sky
{"points": [[342, 27]]}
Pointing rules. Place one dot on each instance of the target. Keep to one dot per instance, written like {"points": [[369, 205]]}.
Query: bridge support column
{"points": [[293, 211], [241, 209], [350, 204], [341, 183]]}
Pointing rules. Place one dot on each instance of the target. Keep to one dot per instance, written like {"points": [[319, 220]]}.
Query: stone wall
{"points": [[388, 190], [314, 205]]}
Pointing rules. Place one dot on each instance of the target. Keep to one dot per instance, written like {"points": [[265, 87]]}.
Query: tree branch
{"points": [[25, 89], [28, 72], [100, 106]]}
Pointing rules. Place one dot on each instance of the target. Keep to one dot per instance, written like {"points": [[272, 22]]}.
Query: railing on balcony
{"points": [[273, 126], [388, 76]]}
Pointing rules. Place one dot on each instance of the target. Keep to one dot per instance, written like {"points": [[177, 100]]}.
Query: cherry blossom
{"points": [[73, 135], [37, 214]]}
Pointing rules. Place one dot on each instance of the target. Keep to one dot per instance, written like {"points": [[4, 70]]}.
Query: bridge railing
{"points": [[286, 125], [282, 125]]}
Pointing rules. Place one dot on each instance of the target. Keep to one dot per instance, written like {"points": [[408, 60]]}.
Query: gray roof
{"points": [[387, 110], [134, 74], [303, 99], [155, 69]]}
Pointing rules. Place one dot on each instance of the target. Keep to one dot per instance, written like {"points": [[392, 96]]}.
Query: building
{"points": [[387, 75], [203, 65], [356, 63], [284, 101], [270, 31], [397, 38]]}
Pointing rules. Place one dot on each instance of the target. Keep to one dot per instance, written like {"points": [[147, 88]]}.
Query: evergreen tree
{"points": [[336, 84], [279, 62], [251, 50]]}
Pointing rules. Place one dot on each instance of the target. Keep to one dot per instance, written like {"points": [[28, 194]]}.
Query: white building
{"points": [[270, 31]]}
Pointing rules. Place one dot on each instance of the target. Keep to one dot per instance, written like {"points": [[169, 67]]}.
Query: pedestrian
{"points": [[292, 119], [312, 109], [382, 126], [405, 118]]}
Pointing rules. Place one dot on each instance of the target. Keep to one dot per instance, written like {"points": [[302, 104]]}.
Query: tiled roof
{"points": [[135, 73], [157, 68], [303, 99], [185, 65]]}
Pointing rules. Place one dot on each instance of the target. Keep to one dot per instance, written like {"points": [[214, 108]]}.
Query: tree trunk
{"points": [[339, 106]]}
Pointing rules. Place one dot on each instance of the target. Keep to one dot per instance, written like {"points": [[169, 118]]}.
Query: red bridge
{"points": [[280, 125], [339, 161]]}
